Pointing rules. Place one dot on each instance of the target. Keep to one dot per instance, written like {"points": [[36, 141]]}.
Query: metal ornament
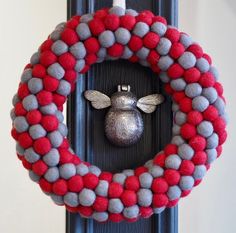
{"points": [[123, 123]]}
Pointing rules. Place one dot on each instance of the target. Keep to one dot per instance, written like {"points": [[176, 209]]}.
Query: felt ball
{"points": [[159, 185], [38, 71], [45, 186], [180, 118], [140, 170], [150, 163], [172, 176], [176, 129], [174, 193], [145, 212], [55, 70], [194, 117], [185, 152], [34, 59], [145, 180], [115, 206], [83, 31], [20, 150], [106, 39], [82, 169], [177, 49], [30, 102], [102, 188], [186, 167], [50, 83], [135, 43], [47, 58], [175, 71], [90, 181], [52, 157], [170, 149], [158, 210], [20, 124], [42, 145], [165, 62], [37, 131], [178, 84], [212, 141], [52, 174], [164, 77], [94, 170], [78, 50], [199, 172], [59, 47], [160, 19], [159, 28], [172, 34], [44, 97], [34, 177], [69, 36], [35, 85], [111, 22], [86, 18], [115, 50], [143, 53], [96, 26], [87, 197], [131, 12], [141, 29], [67, 171], [122, 36], [160, 200], [193, 90], [91, 45], [177, 140], [199, 158], [192, 75], [202, 64], [131, 212], [187, 60], [57, 199], [100, 216], [163, 46], [127, 21], [75, 183], [60, 187], [196, 50], [186, 182], [205, 128], [215, 72], [55, 138], [33, 117], [156, 171], [119, 178], [100, 204], [211, 155], [23, 91], [49, 123], [49, 109], [173, 162], [62, 128], [220, 105], [79, 65], [128, 198], [151, 40], [207, 80], [117, 10], [188, 131], [64, 88], [31, 156], [127, 53], [200, 103], [144, 197], [132, 183], [210, 93], [15, 99], [59, 116], [71, 199], [39, 168], [198, 143], [67, 61], [115, 190]]}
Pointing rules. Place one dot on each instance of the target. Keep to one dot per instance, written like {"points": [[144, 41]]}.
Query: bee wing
{"points": [[97, 99], [148, 104]]}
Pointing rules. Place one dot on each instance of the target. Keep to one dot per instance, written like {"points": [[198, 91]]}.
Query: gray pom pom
{"points": [[86, 18], [12, 114], [87, 197], [55, 138], [62, 128], [56, 71], [34, 177], [31, 156], [149, 164], [127, 53], [205, 128], [141, 29], [163, 46], [180, 118], [203, 65], [67, 170], [144, 197], [100, 216], [59, 116], [215, 72], [122, 36], [185, 151], [82, 169], [49, 109], [57, 199], [20, 150], [212, 141], [26, 75], [177, 140], [102, 188], [200, 103], [64, 88], [52, 174], [193, 90], [186, 182], [71, 199], [83, 31], [128, 172], [61, 26], [52, 158], [178, 84], [115, 206], [20, 124], [35, 58], [185, 40], [37, 131], [143, 53], [159, 28], [79, 65], [210, 93], [199, 172], [117, 10], [220, 105], [176, 129], [131, 212], [158, 210], [165, 62], [175, 107], [95, 170], [119, 178], [59, 47], [131, 12], [173, 162], [164, 77], [211, 155], [102, 53], [156, 171], [15, 99], [187, 60], [145, 180], [35, 85], [56, 34], [106, 39], [78, 50], [30, 102], [174, 192]]}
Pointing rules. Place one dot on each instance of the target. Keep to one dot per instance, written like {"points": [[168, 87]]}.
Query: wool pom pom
{"points": [[196, 49], [69, 36], [65, 156], [198, 143], [194, 117], [60, 187], [42, 146], [207, 80], [185, 105], [176, 50], [67, 61], [172, 176], [186, 168], [106, 176], [112, 22], [159, 159], [188, 131], [115, 190], [159, 185], [47, 58], [116, 217], [127, 21], [116, 50], [140, 170], [172, 34], [92, 45], [39, 168], [192, 75], [100, 204], [175, 71], [128, 198], [25, 140], [170, 149], [159, 200], [159, 19], [132, 183], [199, 158], [96, 26], [75, 183], [44, 97], [90, 181], [50, 123], [50, 84], [135, 43], [151, 40]]}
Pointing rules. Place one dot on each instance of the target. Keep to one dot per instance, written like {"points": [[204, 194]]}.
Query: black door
{"points": [[87, 125]]}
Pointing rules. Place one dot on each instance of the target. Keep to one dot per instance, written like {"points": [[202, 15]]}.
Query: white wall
{"points": [[24, 25]]}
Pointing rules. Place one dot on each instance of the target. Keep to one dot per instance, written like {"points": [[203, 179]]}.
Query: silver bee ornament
{"points": [[123, 123]]}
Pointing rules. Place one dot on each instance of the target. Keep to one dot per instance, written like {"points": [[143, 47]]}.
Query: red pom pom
{"points": [[172, 176], [38, 71], [59, 100], [160, 200], [14, 134], [194, 117], [188, 131], [198, 143], [100, 204], [47, 58], [75, 183], [67, 61], [170, 149], [70, 76], [40, 168], [172, 203], [196, 50], [69, 36], [50, 123], [172, 34], [127, 21], [151, 40], [140, 170], [46, 45], [132, 183], [65, 156], [177, 49], [133, 59], [192, 75], [50, 84], [72, 23], [222, 137], [219, 125], [159, 19], [177, 96], [116, 50], [128, 198], [185, 193], [219, 150], [42, 146], [91, 45], [153, 57], [96, 27], [116, 217], [159, 160], [100, 14], [23, 91], [145, 212], [175, 71], [186, 168], [112, 22], [26, 164], [219, 88], [185, 105], [207, 80], [106, 176], [91, 59], [159, 185], [135, 43], [45, 185], [85, 211], [199, 158], [115, 190], [60, 187], [145, 17], [44, 97], [25, 140], [19, 109], [207, 57], [90, 181], [211, 113]]}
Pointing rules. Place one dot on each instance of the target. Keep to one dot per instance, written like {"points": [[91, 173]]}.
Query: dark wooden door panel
{"points": [[86, 125]]}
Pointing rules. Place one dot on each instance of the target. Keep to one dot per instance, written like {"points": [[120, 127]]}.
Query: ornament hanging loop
{"points": [[120, 3]]}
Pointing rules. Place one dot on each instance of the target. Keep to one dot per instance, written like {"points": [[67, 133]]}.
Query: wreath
{"points": [[189, 78]]}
